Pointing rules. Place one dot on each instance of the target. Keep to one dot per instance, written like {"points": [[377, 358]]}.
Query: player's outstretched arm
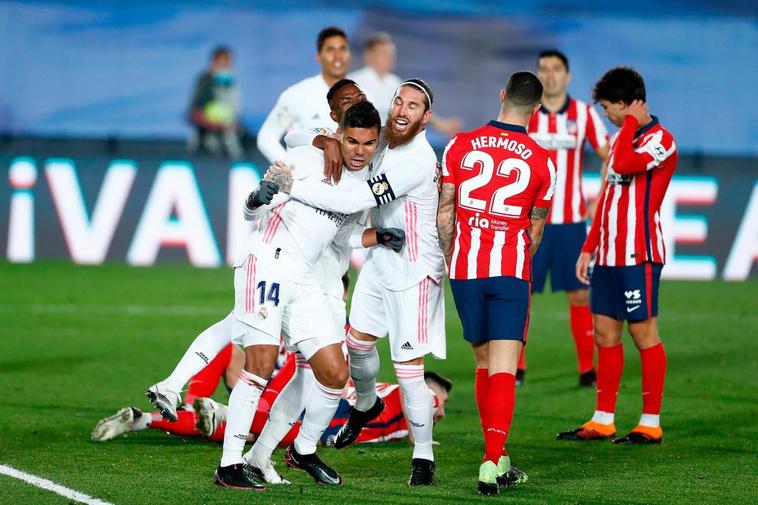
{"points": [[379, 190], [446, 220], [537, 216]]}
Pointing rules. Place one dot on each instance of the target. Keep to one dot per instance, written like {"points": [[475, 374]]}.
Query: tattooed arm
{"points": [[537, 226], [280, 174], [446, 220]]}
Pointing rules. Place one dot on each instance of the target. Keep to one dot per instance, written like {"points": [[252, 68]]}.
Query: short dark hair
{"points": [[331, 31], [219, 51], [620, 84], [523, 90], [377, 39], [444, 382], [361, 115], [420, 83], [554, 53], [336, 86]]}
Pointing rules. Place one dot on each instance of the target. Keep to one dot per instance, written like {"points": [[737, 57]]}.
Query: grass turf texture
{"points": [[80, 342]]}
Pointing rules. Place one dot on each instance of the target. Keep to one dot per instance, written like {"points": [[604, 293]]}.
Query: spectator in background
{"points": [[379, 83], [215, 108]]}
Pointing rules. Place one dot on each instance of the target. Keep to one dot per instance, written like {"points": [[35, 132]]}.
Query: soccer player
{"points": [[276, 293], [399, 294], [627, 241], [302, 105], [377, 79], [497, 188], [563, 125]]}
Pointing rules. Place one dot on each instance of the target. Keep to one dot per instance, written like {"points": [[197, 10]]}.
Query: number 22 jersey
{"points": [[499, 173]]}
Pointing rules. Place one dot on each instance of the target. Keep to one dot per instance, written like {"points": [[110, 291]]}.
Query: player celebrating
{"points": [[301, 106], [276, 293], [563, 125], [396, 294], [627, 241], [496, 191]]}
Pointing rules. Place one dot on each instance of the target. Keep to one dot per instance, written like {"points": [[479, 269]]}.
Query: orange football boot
{"points": [[589, 431]]}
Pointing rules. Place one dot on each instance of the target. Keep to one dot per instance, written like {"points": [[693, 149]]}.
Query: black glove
{"points": [[262, 195], [392, 237]]}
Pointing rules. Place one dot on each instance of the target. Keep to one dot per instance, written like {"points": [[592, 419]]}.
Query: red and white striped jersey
{"points": [[626, 229], [500, 173], [563, 134]]}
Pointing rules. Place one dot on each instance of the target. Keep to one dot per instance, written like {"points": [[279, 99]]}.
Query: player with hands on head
{"points": [[627, 241]]}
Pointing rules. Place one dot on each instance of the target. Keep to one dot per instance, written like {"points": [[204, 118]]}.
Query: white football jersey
{"points": [[403, 185], [302, 106], [299, 232]]}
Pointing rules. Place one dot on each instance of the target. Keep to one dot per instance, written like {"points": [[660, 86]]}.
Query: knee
{"points": [[579, 297], [605, 338], [333, 376], [259, 366], [644, 338]]}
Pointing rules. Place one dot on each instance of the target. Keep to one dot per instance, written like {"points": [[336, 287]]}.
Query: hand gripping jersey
{"points": [[301, 233], [500, 173], [563, 134], [627, 228], [403, 187]]}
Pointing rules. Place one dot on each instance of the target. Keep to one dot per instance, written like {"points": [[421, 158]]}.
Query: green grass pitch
{"points": [[80, 342]]}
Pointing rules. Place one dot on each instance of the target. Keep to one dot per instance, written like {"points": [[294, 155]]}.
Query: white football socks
{"points": [[419, 407], [202, 350], [364, 366], [650, 420], [320, 406], [242, 404], [603, 417], [285, 412]]}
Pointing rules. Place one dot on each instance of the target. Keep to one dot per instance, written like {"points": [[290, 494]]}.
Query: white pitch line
{"points": [[51, 486]]}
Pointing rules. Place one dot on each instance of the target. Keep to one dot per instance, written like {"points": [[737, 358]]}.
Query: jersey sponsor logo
{"points": [[556, 141], [407, 346], [381, 189], [334, 217]]}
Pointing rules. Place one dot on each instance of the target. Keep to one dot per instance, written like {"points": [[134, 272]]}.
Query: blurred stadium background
{"points": [[94, 170]]}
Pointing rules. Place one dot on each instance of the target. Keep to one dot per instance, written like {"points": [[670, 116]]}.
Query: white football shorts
{"points": [[414, 318], [267, 306]]}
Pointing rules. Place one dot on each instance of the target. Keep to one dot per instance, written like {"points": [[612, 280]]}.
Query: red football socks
{"points": [[501, 399], [653, 360], [204, 383], [610, 365], [185, 425], [580, 320]]}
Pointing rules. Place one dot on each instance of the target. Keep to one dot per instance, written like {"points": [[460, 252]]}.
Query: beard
{"points": [[395, 139]]}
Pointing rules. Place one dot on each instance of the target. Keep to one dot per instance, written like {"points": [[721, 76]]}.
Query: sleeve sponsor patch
{"points": [[381, 189]]}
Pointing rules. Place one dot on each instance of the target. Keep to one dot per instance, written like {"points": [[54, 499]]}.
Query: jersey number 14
{"points": [[497, 203]]}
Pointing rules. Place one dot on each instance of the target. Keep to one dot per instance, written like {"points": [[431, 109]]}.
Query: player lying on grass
{"points": [[627, 241], [208, 418]]}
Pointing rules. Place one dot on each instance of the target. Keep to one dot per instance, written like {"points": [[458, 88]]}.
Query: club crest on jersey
{"points": [[262, 313], [381, 189]]}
